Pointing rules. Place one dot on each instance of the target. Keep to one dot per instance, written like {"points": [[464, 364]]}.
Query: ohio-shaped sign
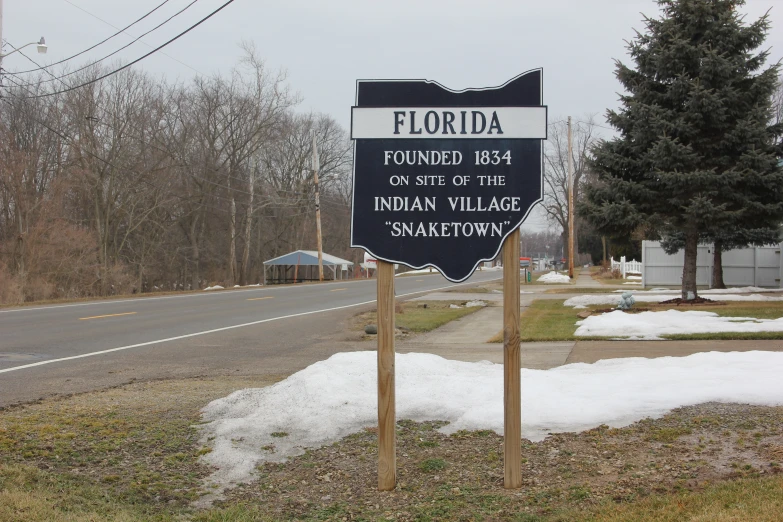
{"points": [[442, 177]]}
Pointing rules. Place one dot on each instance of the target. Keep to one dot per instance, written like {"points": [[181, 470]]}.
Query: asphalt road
{"points": [[71, 348]]}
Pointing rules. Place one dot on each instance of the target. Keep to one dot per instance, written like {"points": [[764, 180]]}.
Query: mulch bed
{"points": [[587, 313], [629, 311], [695, 301]]}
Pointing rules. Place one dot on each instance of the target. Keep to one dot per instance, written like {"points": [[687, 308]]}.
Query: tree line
{"points": [[132, 184]]}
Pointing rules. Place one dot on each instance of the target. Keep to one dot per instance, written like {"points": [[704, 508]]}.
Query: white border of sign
{"points": [[374, 123], [510, 230]]}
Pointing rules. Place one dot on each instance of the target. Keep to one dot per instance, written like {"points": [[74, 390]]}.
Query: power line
{"points": [[71, 73], [597, 125], [142, 41], [137, 60], [102, 41]]}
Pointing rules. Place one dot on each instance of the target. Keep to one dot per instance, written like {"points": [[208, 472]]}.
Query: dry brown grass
{"points": [[709, 462], [414, 317]]}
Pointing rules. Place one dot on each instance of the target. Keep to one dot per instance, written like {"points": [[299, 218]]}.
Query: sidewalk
{"points": [[546, 355], [466, 338]]}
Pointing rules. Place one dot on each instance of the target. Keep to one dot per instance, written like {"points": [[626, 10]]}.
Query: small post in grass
{"points": [[512, 419], [387, 441]]}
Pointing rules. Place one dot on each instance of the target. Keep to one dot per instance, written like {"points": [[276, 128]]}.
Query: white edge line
{"points": [[224, 328]]}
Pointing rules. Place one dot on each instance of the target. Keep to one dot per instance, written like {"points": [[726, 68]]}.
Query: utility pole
{"points": [[570, 205], [316, 168]]}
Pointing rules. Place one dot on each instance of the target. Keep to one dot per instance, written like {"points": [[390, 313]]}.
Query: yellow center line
{"points": [[337, 290], [260, 298], [102, 316]]}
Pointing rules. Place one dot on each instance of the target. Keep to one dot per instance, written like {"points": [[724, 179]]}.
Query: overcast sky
{"points": [[326, 45]]}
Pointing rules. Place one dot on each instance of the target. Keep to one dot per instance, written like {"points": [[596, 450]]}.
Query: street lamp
{"points": [[41, 44]]}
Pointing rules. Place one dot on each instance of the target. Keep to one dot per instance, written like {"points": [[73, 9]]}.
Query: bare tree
{"points": [[130, 183], [556, 169]]}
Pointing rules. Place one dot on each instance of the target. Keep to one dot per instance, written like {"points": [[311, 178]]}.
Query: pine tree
{"points": [[695, 158]]}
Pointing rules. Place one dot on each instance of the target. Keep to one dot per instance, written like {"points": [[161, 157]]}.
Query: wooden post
{"points": [[512, 400], [570, 204], [316, 168], [387, 438]]}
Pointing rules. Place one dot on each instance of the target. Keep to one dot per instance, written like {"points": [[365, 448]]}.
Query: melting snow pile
{"points": [[216, 287], [337, 397], [473, 304], [651, 325], [554, 277]]}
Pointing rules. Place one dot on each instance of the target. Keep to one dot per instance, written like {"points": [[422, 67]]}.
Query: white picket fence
{"points": [[627, 267]]}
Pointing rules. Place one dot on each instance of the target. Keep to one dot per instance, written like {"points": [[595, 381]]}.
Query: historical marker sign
{"points": [[442, 177]]}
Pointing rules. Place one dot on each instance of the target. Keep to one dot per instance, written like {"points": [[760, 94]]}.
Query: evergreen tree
{"points": [[695, 158]]}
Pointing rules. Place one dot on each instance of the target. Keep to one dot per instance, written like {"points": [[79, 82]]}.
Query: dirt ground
{"points": [[460, 477]]}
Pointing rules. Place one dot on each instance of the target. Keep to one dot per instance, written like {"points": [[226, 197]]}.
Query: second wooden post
{"points": [[512, 399], [387, 441]]}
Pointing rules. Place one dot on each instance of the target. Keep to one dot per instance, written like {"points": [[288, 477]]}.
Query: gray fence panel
{"points": [[760, 266]]}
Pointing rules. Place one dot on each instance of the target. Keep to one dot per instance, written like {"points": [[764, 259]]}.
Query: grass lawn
{"points": [[131, 454], [757, 499], [413, 316], [581, 290], [128, 453], [545, 320], [471, 290], [549, 320], [609, 281]]}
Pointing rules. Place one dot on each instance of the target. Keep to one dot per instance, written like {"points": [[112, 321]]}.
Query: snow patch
{"points": [[473, 304], [336, 397], [554, 277], [648, 325], [216, 287]]}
